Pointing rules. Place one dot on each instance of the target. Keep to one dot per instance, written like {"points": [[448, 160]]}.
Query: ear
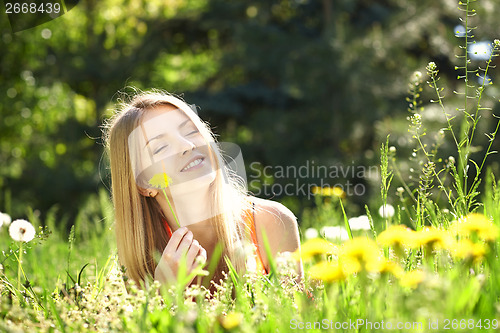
{"points": [[147, 192]]}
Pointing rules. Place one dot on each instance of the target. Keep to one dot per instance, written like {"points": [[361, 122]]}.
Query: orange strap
{"points": [[250, 222]]}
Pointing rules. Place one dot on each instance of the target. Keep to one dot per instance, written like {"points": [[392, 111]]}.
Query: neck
{"points": [[191, 207]]}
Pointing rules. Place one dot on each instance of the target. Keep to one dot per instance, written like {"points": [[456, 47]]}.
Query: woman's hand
{"points": [[181, 242]]}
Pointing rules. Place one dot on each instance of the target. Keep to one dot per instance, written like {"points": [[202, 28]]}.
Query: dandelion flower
{"points": [[160, 180], [311, 233], [327, 271], [386, 211], [384, 266], [396, 236], [338, 192], [412, 279], [5, 219], [22, 231], [476, 224], [231, 320], [328, 191], [357, 253], [359, 223], [466, 249], [315, 246], [433, 238]]}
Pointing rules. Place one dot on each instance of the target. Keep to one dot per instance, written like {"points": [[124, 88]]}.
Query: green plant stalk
{"points": [[63, 3], [441, 185], [385, 175], [493, 135], [170, 206], [19, 266], [346, 221]]}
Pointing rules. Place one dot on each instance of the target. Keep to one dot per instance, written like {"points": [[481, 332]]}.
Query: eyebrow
{"points": [[160, 135]]}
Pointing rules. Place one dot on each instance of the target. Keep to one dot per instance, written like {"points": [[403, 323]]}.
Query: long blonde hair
{"points": [[139, 228]]}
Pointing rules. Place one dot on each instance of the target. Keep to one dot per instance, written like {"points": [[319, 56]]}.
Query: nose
{"points": [[185, 145]]}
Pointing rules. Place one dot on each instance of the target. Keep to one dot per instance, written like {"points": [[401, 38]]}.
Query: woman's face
{"points": [[168, 142]]}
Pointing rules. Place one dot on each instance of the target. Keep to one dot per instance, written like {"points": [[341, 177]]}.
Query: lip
{"points": [[192, 160]]}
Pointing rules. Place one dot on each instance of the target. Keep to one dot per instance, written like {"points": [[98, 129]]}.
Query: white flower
{"points": [[4, 219], [359, 223], [386, 211], [335, 232], [22, 231], [311, 233]]}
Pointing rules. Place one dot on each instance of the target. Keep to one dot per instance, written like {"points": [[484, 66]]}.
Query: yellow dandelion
{"points": [[466, 249], [357, 253], [327, 271], [433, 238], [328, 191], [476, 224], [316, 190], [337, 192], [384, 266], [160, 180], [323, 191], [313, 247], [396, 236], [412, 279], [231, 320]]}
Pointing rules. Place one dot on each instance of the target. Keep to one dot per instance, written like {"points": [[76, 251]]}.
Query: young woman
{"points": [[174, 194]]}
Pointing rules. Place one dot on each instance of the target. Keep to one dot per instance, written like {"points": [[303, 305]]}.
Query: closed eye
{"points": [[160, 149]]}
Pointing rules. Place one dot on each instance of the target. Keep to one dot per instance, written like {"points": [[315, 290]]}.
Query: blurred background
{"points": [[290, 82]]}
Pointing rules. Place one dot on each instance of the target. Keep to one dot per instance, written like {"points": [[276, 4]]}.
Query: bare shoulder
{"points": [[281, 228], [273, 214], [279, 225]]}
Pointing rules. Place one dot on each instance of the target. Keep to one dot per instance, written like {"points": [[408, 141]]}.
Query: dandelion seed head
{"points": [[311, 233], [5, 219], [386, 211], [360, 223], [21, 231], [334, 233]]}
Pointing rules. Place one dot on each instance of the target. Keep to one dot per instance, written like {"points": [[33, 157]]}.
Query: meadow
{"points": [[423, 256]]}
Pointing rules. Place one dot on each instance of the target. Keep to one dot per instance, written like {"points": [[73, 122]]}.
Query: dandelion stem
{"points": [[171, 209], [19, 260]]}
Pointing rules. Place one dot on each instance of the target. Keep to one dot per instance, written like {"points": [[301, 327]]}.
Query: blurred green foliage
{"points": [[288, 81]]}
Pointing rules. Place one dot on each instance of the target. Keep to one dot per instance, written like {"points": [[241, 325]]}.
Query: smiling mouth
{"points": [[193, 164]]}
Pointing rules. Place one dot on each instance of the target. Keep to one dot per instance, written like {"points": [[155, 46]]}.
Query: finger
{"points": [[203, 255], [175, 240], [194, 249], [200, 259], [185, 243]]}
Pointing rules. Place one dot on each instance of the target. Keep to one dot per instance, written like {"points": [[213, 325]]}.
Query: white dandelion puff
{"points": [[5, 219], [359, 223], [311, 233], [22, 231], [386, 211], [334, 233]]}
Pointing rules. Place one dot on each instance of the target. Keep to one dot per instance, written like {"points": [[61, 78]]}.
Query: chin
{"points": [[194, 185]]}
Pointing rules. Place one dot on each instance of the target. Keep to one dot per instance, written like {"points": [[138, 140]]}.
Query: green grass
{"points": [[74, 284]]}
